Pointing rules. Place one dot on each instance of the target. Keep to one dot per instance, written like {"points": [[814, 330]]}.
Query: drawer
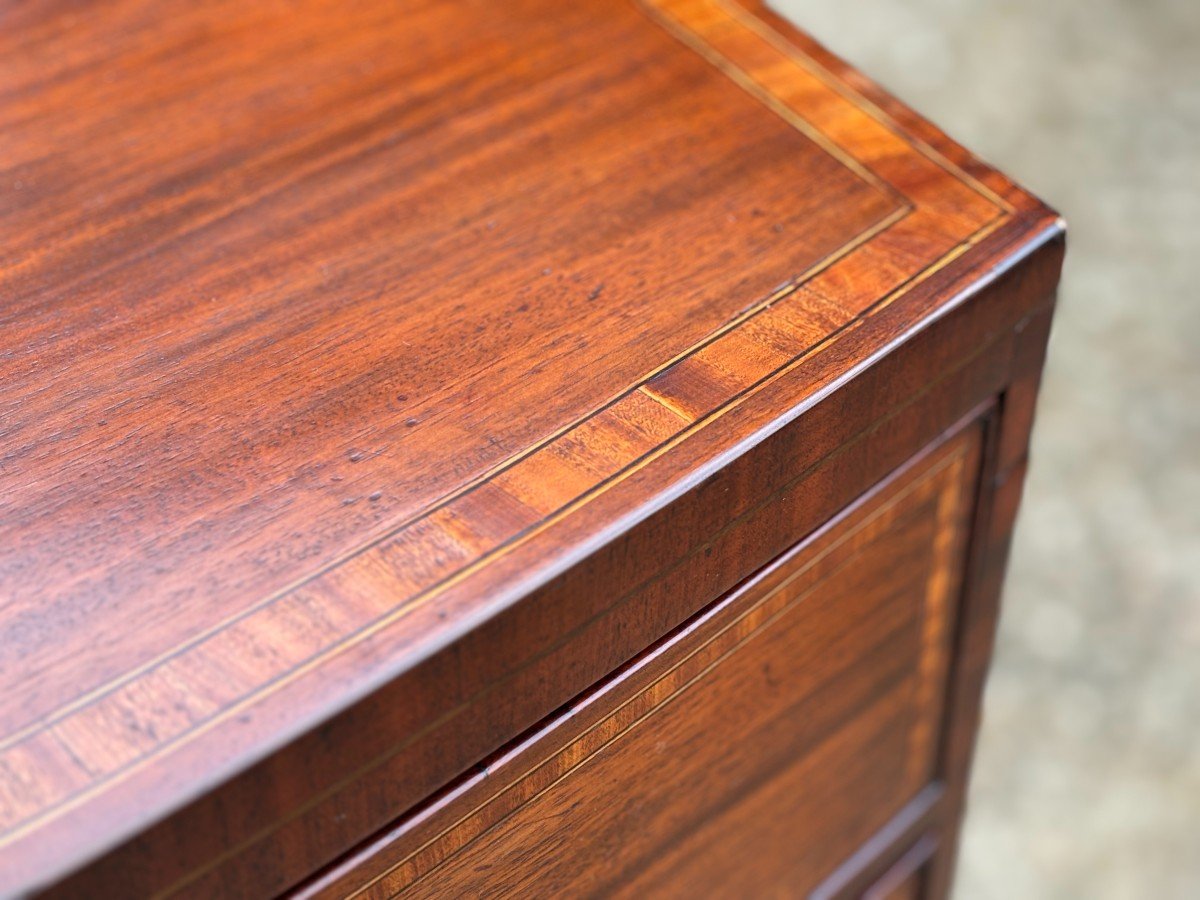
{"points": [[749, 752]]}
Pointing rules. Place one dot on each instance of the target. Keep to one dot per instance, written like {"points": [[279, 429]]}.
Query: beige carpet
{"points": [[1087, 782]]}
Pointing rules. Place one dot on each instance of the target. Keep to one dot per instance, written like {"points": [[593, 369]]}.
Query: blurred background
{"points": [[1087, 778]]}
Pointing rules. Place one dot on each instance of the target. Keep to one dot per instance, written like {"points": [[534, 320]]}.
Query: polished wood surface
{"points": [[772, 734], [367, 371]]}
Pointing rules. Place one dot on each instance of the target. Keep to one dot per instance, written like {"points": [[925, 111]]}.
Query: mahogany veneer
{"points": [[665, 780], [468, 447]]}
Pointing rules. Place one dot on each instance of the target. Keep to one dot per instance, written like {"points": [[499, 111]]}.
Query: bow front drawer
{"points": [[749, 753]]}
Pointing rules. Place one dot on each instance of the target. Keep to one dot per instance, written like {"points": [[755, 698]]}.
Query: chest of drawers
{"points": [[477, 449]]}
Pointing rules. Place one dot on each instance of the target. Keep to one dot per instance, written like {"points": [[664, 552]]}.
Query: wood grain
{"points": [[331, 333], [746, 754]]}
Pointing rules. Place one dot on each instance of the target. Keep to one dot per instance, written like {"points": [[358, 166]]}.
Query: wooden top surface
{"points": [[327, 329]]}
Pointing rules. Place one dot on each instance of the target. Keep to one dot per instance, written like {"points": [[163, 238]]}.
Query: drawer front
{"points": [[748, 753]]}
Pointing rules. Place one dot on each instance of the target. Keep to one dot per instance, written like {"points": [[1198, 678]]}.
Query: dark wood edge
{"points": [[1004, 466]]}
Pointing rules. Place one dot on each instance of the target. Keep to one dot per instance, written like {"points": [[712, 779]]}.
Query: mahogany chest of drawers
{"points": [[459, 449]]}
